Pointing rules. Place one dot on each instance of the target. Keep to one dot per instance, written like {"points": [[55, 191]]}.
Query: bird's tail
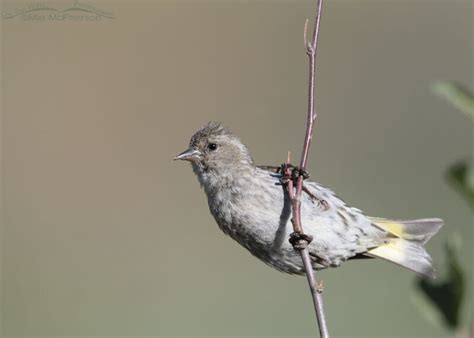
{"points": [[404, 245]]}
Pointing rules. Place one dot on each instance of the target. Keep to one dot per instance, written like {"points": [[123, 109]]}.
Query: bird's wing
{"points": [[344, 230], [333, 223]]}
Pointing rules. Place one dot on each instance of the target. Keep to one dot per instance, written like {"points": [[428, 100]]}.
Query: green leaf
{"points": [[456, 95], [447, 295], [461, 177]]}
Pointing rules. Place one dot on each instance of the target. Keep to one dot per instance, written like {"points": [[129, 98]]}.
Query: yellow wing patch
{"points": [[393, 227], [392, 251]]}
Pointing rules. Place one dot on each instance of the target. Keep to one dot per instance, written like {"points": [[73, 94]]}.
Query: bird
{"points": [[251, 205]]}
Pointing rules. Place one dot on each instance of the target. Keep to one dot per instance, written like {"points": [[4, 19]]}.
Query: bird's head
{"points": [[215, 149]]}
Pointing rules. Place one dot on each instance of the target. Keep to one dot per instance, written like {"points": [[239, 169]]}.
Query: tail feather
{"points": [[420, 230], [405, 246], [410, 255]]}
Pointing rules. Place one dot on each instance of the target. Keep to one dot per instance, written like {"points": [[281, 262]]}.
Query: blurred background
{"points": [[104, 235]]}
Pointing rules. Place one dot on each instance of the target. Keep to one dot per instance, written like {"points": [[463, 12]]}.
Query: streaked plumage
{"points": [[250, 205]]}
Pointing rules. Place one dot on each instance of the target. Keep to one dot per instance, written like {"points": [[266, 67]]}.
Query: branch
{"points": [[298, 238]]}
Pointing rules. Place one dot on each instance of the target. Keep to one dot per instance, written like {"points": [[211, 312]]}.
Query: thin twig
{"points": [[299, 240]]}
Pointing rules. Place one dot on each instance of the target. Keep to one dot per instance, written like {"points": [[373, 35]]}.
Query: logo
{"points": [[42, 11]]}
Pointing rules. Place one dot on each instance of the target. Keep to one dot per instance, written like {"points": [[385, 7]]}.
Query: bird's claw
{"points": [[300, 240], [294, 173]]}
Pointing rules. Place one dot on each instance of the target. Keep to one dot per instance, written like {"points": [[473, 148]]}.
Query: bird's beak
{"points": [[190, 154]]}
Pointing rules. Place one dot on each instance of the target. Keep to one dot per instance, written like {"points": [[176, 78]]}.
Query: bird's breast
{"points": [[253, 213]]}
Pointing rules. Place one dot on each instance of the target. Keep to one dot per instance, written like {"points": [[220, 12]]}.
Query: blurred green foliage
{"points": [[461, 174], [461, 177], [446, 296], [457, 95]]}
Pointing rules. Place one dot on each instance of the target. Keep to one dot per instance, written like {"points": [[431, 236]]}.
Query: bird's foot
{"points": [[300, 241], [291, 172]]}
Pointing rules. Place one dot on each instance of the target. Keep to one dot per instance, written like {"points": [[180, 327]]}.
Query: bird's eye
{"points": [[212, 146]]}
